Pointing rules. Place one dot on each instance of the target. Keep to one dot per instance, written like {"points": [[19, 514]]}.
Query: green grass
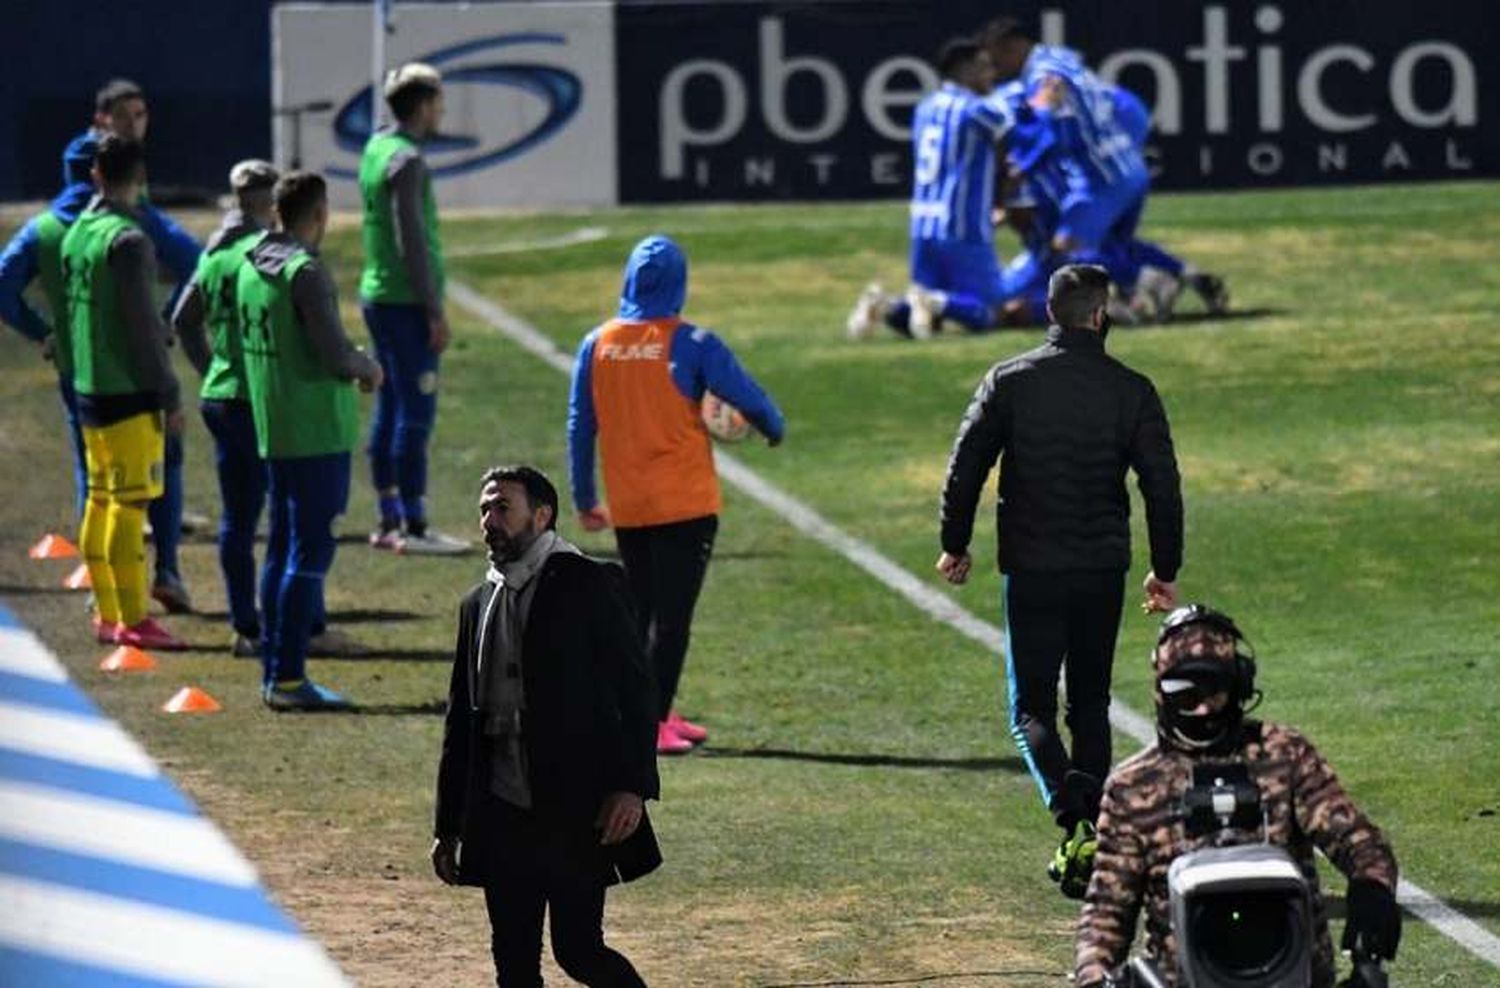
{"points": [[1340, 459]]}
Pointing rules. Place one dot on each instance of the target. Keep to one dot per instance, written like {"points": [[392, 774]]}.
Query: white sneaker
{"points": [[926, 308], [1121, 313], [1210, 288], [433, 543], [868, 312], [1156, 294]]}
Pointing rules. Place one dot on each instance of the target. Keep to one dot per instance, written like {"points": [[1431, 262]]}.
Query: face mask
{"points": [[1105, 322], [1182, 690]]}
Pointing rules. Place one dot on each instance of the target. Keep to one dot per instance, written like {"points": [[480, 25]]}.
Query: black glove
{"points": [[1373, 921]]}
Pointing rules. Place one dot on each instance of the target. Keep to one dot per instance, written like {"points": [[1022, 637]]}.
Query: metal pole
{"points": [[378, 15]]}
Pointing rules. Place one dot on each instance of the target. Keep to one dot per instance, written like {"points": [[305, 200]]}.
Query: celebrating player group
{"points": [[1063, 153]]}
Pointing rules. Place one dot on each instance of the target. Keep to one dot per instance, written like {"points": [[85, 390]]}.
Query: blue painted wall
{"points": [[205, 65]]}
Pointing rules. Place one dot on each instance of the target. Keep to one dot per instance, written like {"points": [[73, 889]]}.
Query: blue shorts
{"points": [[1111, 211], [958, 267]]}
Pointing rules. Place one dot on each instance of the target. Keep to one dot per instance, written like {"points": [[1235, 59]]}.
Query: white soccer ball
{"points": [[723, 421]]}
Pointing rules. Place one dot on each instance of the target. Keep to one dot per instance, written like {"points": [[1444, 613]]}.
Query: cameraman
{"points": [[1203, 681]]}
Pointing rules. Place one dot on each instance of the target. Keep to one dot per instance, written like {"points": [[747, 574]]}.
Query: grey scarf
{"points": [[501, 694]]}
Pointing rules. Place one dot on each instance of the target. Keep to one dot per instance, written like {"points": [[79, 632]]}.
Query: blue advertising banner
{"points": [[803, 100], [733, 99]]}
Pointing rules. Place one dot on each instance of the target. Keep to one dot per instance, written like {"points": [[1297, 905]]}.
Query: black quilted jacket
{"points": [[1065, 421]]}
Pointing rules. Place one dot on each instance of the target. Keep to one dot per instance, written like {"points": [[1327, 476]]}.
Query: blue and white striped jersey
{"points": [[954, 133], [1086, 124], [1052, 180]]}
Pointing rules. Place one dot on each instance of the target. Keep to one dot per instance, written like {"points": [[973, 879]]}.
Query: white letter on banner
{"points": [[1333, 157], [1268, 70], [1310, 88], [1462, 108], [776, 69], [1216, 53], [1166, 114], [879, 97], [676, 134]]}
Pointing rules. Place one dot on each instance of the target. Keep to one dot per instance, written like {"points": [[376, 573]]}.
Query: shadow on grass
{"points": [[30, 590], [379, 654], [1233, 315], [1007, 974], [358, 614], [870, 759], [614, 554], [1472, 908], [355, 615], [432, 708], [1475, 908]]}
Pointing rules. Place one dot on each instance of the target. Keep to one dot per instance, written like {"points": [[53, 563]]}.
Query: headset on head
{"points": [[1244, 653]]}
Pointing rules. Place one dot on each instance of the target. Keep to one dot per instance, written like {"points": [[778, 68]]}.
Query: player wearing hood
{"points": [[638, 382]]}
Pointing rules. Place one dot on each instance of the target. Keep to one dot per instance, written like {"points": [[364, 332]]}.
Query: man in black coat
{"points": [[1066, 421], [549, 744]]}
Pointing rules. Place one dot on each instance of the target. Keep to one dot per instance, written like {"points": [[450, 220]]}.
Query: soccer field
{"points": [[860, 814]]}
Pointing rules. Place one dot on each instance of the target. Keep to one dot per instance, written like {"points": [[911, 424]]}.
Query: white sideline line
{"points": [[172, 842], [153, 941], [582, 235], [939, 606], [91, 741]]}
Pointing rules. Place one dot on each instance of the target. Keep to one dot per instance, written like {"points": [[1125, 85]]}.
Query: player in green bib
{"points": [[401, 290], [300, 370], [35, 254], [120, 108], [207, 323], [127, 394]]}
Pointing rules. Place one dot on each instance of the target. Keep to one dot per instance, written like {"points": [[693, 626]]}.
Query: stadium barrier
{"points": [[108, 874]]}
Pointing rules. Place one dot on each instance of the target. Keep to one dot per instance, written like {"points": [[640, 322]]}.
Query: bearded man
{"points": [[548, 748]]}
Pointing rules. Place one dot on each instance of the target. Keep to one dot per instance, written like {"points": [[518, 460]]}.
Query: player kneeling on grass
{"points": [[954, 271], [128, 397], [1205, 679], [300, 369], [547, 746], [638, 385]]}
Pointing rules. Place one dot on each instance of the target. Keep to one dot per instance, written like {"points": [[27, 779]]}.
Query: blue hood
{"points": [[71, 201], [655, 280], [78, 158]]}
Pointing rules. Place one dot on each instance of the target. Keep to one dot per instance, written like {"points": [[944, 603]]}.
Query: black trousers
{"points": [[665, 566], [516, 909], [1063, 622]]}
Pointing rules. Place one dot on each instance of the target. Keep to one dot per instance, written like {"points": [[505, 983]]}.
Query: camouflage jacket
{"points": [[1141, 831]]}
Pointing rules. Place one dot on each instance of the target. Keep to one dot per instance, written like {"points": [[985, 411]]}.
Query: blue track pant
{"points": [[307, 494], [405, 408]]}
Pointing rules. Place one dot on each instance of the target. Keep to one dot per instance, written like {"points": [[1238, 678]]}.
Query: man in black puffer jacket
{"points": [[1065, 421]]}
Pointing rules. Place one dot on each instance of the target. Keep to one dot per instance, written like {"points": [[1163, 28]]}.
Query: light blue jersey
{"points": [[954, 133], [1086, 123]]}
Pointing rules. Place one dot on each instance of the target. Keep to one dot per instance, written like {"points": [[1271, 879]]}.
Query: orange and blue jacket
{"points": [[638, 382]]}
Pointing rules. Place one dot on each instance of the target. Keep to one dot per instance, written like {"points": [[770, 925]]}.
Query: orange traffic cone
{"points": [[53, 546], [79, 579], [128, 658], [191, 700]]}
